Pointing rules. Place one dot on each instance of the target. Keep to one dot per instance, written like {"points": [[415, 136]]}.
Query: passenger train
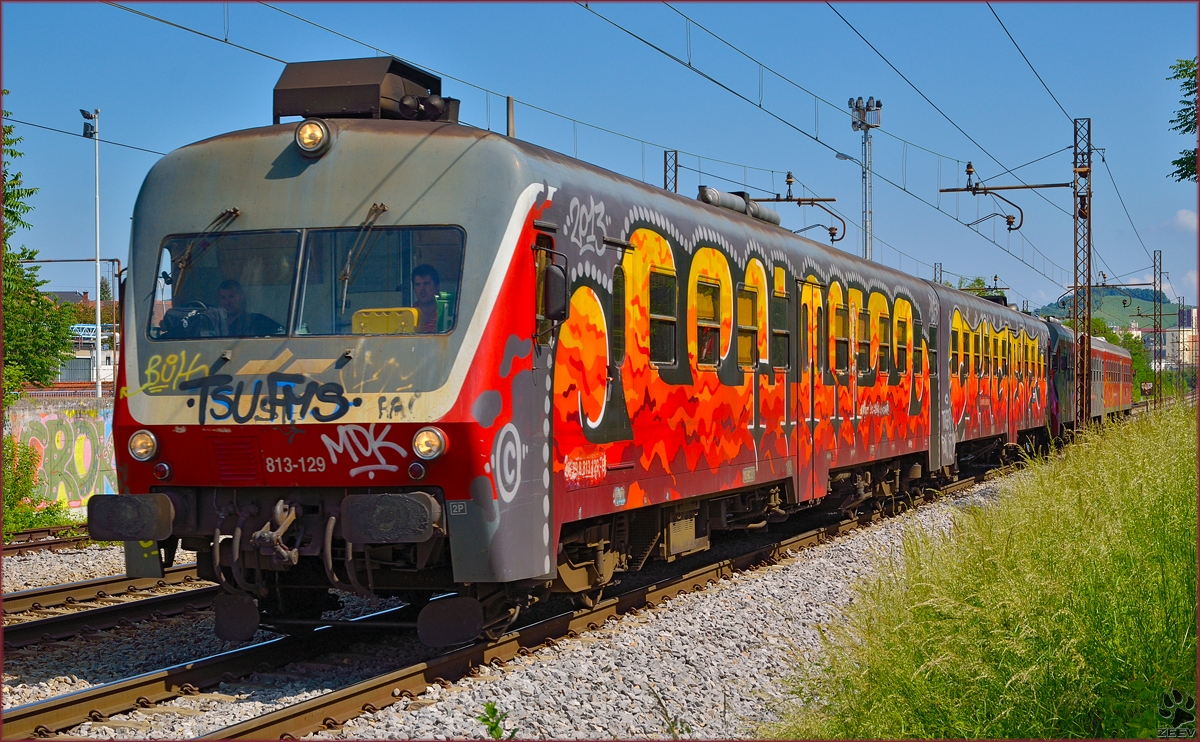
{"points": [[377, 352]]}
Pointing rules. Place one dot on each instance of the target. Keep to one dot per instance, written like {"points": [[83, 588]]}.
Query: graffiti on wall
{"points": [[73, 442]]}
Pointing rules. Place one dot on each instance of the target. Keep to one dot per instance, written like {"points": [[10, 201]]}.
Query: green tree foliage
{"points": [[37, 337], [1185, 118], [105, 290]]}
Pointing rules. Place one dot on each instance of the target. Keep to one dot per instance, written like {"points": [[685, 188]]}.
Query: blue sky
{"points": [[160, 87]]}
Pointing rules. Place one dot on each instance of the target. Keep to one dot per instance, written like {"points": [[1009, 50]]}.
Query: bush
{"points": [[1064, 609], [23, 509]]}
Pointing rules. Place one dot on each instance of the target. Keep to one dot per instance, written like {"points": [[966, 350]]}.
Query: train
{"points": [[377, 352]]}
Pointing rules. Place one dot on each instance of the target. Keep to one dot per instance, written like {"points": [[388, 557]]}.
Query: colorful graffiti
{"points": [[74, 444]]}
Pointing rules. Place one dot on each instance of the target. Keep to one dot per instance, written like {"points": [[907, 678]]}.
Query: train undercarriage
{"points": [[280, 558]]}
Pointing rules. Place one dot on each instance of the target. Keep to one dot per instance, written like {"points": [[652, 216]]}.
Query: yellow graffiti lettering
{"points": [[161, 375]]}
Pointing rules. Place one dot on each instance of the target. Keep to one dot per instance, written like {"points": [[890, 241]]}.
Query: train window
{"points": [[953, 351], [384, 281], [617, 354], [841, 350], [987, 356], [822, 339], [863, 359], [1005, 352], [708, 323], [901, 346], [918, 350], [225, 284], [978, 354], [933, 351], [747, 332], [885, 343], [662, 318], [804, 337], [780, 338]]}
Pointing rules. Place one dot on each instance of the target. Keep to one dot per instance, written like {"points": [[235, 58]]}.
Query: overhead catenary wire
{"points": [[380, 50], [763, 66], [934, 105], [1022, 53], [198, 33], [799, 130], [1104, 160], [73, 134]]}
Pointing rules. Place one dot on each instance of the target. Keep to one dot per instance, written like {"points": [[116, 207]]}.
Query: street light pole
{"points": [[91, 130], [864, 117]]}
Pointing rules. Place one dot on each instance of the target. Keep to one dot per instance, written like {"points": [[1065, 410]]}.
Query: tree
{"points": [[1185, 118], [977, 286], [37, 329], [105, 290]]}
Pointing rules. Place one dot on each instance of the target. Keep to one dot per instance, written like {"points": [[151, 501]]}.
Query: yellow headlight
{"points": [[310, 135], [143, 445], [429, 443]]}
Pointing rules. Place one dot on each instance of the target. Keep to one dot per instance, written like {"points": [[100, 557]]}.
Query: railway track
{"points": [[62, 611], [329, 711], [46, 539]]}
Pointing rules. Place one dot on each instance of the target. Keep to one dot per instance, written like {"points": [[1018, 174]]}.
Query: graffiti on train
{"points": [[163, 374], [74, 449], [281, 398]]}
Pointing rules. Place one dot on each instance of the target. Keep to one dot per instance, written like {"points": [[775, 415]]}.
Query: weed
{"points": [[675, 724], [493, 721]]}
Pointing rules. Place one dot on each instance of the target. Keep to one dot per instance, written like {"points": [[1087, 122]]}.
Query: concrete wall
{"points": [[73, 440]]}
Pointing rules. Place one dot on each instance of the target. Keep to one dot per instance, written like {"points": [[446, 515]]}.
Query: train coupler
{"points": [[283, 517]]}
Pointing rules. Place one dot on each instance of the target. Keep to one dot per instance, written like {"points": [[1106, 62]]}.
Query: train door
{"points": [[807, 369]]}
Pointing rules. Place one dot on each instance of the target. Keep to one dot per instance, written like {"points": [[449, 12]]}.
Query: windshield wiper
{"points": [[360, 241], [183, 262]]}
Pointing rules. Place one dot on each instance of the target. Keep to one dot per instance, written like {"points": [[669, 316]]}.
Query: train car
{"points": [[996, 366], [380, 352], [1112, 378]]}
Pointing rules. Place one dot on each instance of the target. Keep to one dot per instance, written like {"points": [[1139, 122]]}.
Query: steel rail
{"points": [[44, 544], [333, 709], [46, 532], [48, 538], [56, 595], [45, 718], [83, 620]]}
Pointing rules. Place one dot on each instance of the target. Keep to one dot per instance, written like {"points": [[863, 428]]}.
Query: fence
{"points": [[73, 441]]}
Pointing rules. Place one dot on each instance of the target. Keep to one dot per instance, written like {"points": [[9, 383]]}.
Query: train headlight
{"points": [[429, 443], [313, 137], [143, 445]]}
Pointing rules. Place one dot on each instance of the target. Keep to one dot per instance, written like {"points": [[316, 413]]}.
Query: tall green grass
{"points": [[1064, 609]]}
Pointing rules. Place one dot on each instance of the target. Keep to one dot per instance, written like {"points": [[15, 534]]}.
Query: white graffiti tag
{"points": [[358, 441], [582, 223]]}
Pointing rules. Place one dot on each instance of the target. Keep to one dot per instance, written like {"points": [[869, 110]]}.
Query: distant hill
{"points": [[1106, 305]]}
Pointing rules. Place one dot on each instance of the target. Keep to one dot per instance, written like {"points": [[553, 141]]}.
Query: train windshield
{"points": [[384, 281], [227, 284], [373, 281]]}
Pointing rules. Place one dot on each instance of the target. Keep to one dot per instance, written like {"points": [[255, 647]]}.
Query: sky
{"points": [[590, 82]]}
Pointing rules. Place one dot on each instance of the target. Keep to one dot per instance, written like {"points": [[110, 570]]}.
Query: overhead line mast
{"points": [[1081, 288]]}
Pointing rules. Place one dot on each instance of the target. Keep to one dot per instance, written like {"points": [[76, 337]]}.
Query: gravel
{"points": [[44, 568], [705, 665]]}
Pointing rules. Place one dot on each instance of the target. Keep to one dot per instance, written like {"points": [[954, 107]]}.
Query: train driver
{"points": [[426, 283], [240, 322]]}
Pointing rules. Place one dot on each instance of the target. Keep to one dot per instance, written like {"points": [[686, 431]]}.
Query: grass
{"points": [[1064, 609]]}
